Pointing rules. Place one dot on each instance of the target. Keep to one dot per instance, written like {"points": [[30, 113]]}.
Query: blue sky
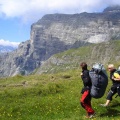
{"points": [[16, 16]]}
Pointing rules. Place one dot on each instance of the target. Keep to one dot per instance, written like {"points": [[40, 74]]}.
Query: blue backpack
{"points": [[99, 80]]}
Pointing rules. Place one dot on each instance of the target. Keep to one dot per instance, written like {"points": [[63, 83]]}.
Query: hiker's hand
{"points": [[113, 78]]}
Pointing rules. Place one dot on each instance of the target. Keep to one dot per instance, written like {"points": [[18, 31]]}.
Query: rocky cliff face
{"points": [[59, 32]]}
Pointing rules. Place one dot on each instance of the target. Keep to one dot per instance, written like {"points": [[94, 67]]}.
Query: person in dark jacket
{"points": [[86, 97], [115, 77]]}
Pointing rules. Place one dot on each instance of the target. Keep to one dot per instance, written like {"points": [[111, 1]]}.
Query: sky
{"points": [[17, 16]]}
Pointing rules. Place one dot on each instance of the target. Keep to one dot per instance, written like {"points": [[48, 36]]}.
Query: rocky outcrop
{"points": [[115, 8], [55, 33]]}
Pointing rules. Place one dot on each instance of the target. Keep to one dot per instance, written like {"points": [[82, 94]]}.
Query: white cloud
{"points": [[8, 43], [34, 9]]}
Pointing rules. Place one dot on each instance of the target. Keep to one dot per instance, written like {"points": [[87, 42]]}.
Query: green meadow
{"points": [[50, 97]]}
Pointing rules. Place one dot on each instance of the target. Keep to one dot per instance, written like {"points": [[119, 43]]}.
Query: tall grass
{"points": [[49, 97]]}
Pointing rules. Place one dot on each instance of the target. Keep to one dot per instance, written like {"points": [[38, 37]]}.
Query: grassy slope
{"points": [[56, 96], [49, 97], [104, 52]]}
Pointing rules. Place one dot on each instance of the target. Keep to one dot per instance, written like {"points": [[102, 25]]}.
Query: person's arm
{"points": [[86, 78]]}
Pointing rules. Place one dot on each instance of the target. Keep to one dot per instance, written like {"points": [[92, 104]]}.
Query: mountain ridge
{"points": [[56, 33], [6, 49]]}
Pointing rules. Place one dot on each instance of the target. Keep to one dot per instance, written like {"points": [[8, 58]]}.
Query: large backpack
{"points": [[99, 80]]}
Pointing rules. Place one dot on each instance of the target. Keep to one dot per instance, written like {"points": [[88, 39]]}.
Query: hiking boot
{"points": [[92, 115], [103, 105]]}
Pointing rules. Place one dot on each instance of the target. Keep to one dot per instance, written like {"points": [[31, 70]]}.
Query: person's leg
{"points": [[89, 107], [107, 102], [109, 98], [86, 102]]}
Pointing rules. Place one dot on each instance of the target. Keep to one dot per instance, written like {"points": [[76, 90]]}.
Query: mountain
{"points": [[5, 49], [55, 33]]}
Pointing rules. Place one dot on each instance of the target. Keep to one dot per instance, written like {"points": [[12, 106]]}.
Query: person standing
{"points": [[115, 77], [86, 97]]}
